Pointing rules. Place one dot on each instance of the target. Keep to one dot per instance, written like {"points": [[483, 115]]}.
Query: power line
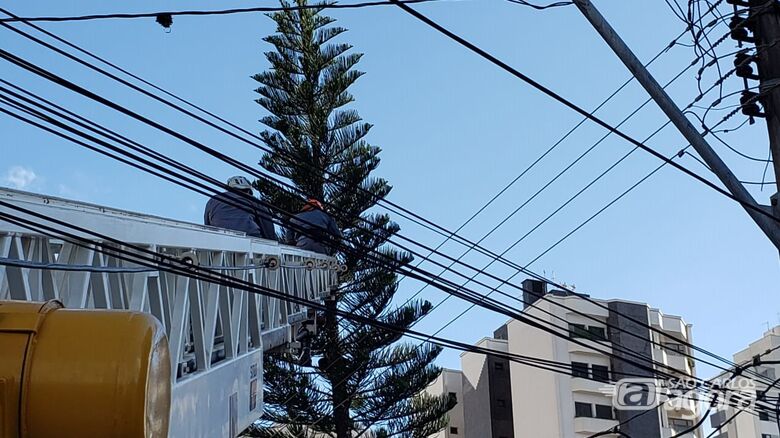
{"points": [[495, 307], [514, 72], [126, 72], [445, 230], [167, 263], [386, 201], [211, 151], [736, 371], [527, 322], [541, 7], [209, 12], [202, 147]]}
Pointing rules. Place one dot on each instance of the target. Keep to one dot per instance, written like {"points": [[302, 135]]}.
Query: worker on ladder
{"points": [[313, 229], [237, 209]]}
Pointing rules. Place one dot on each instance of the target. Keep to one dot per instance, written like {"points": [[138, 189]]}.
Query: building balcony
{"points": [[592, 425], [590, 347], [579, 384], [675, 325], [669, 432], [678, 362], [681, 407]]}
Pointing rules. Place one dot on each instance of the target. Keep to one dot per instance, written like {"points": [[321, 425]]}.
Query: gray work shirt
{"points": [[240, 213], [317, 228]]}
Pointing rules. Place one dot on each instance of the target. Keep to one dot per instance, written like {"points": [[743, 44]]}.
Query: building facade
{"points": [[506, 399], [450, 382], [487, 396], [751, 424], [608, 338]]}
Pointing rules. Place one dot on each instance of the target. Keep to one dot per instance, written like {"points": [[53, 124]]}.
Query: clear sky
{"points": [[454, 129]]}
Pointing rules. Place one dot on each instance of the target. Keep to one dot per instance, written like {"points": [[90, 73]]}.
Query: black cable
{"points": [[190, 141], [523, 319], [318, 6], [118, 68], [395, 205], [173, 180], [164, 262], [396, 209], [738, 370], [542, 7], [484, 298], [445, 230], [516, 73], [161, 262], [558, 209], [126, 72], [74, 87]]}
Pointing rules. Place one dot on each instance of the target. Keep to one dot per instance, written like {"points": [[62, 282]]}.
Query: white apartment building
{"points": [[487, 396], [450, 382], [554, 405], [747, 424], [506, 399]]}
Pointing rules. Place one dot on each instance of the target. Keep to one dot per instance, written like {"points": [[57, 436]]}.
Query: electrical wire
{"points": [[542, 7], [160, 261], [425, 220], [557, 97], [521, 318], [202, 147], [114, 66], [319, 6]]}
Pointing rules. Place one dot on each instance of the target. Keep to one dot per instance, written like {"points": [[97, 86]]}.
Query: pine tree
{"points": [[364, 376]]}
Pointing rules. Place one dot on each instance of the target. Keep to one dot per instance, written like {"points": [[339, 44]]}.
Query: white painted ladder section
{"points": [[217, 334]]}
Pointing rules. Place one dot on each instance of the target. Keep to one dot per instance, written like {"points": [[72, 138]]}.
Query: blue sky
{"points": [[454, 129]]}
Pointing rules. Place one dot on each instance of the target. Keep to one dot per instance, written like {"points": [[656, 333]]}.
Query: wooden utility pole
{"points": [[764, 18], [769, 226]]}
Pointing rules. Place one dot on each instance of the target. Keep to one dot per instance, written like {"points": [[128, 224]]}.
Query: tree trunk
{"points": [[336, 370]]}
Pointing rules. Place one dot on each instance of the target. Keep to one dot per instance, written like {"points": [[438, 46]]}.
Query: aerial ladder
{"points": [[92, 344]]}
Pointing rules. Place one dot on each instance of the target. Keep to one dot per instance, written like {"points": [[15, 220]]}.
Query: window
{"points": [[453, 430], [674, 347], [578, 330], [582, 410], [453, 396], [579, 369], [680, 423], [587, 332], [605, 412], [597, 333], [763, 416], [601, 373], [767, 372], [499, 366]]}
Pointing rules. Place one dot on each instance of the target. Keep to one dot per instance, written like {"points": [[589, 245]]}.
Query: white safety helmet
{"points": [[239, 182]]}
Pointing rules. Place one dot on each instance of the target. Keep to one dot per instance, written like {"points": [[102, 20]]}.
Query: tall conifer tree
{"points": [[362, 376]]}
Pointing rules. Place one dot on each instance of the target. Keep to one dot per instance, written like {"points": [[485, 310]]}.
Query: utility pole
{"points": [[769, 226], [335, 368], [764, 19]]}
